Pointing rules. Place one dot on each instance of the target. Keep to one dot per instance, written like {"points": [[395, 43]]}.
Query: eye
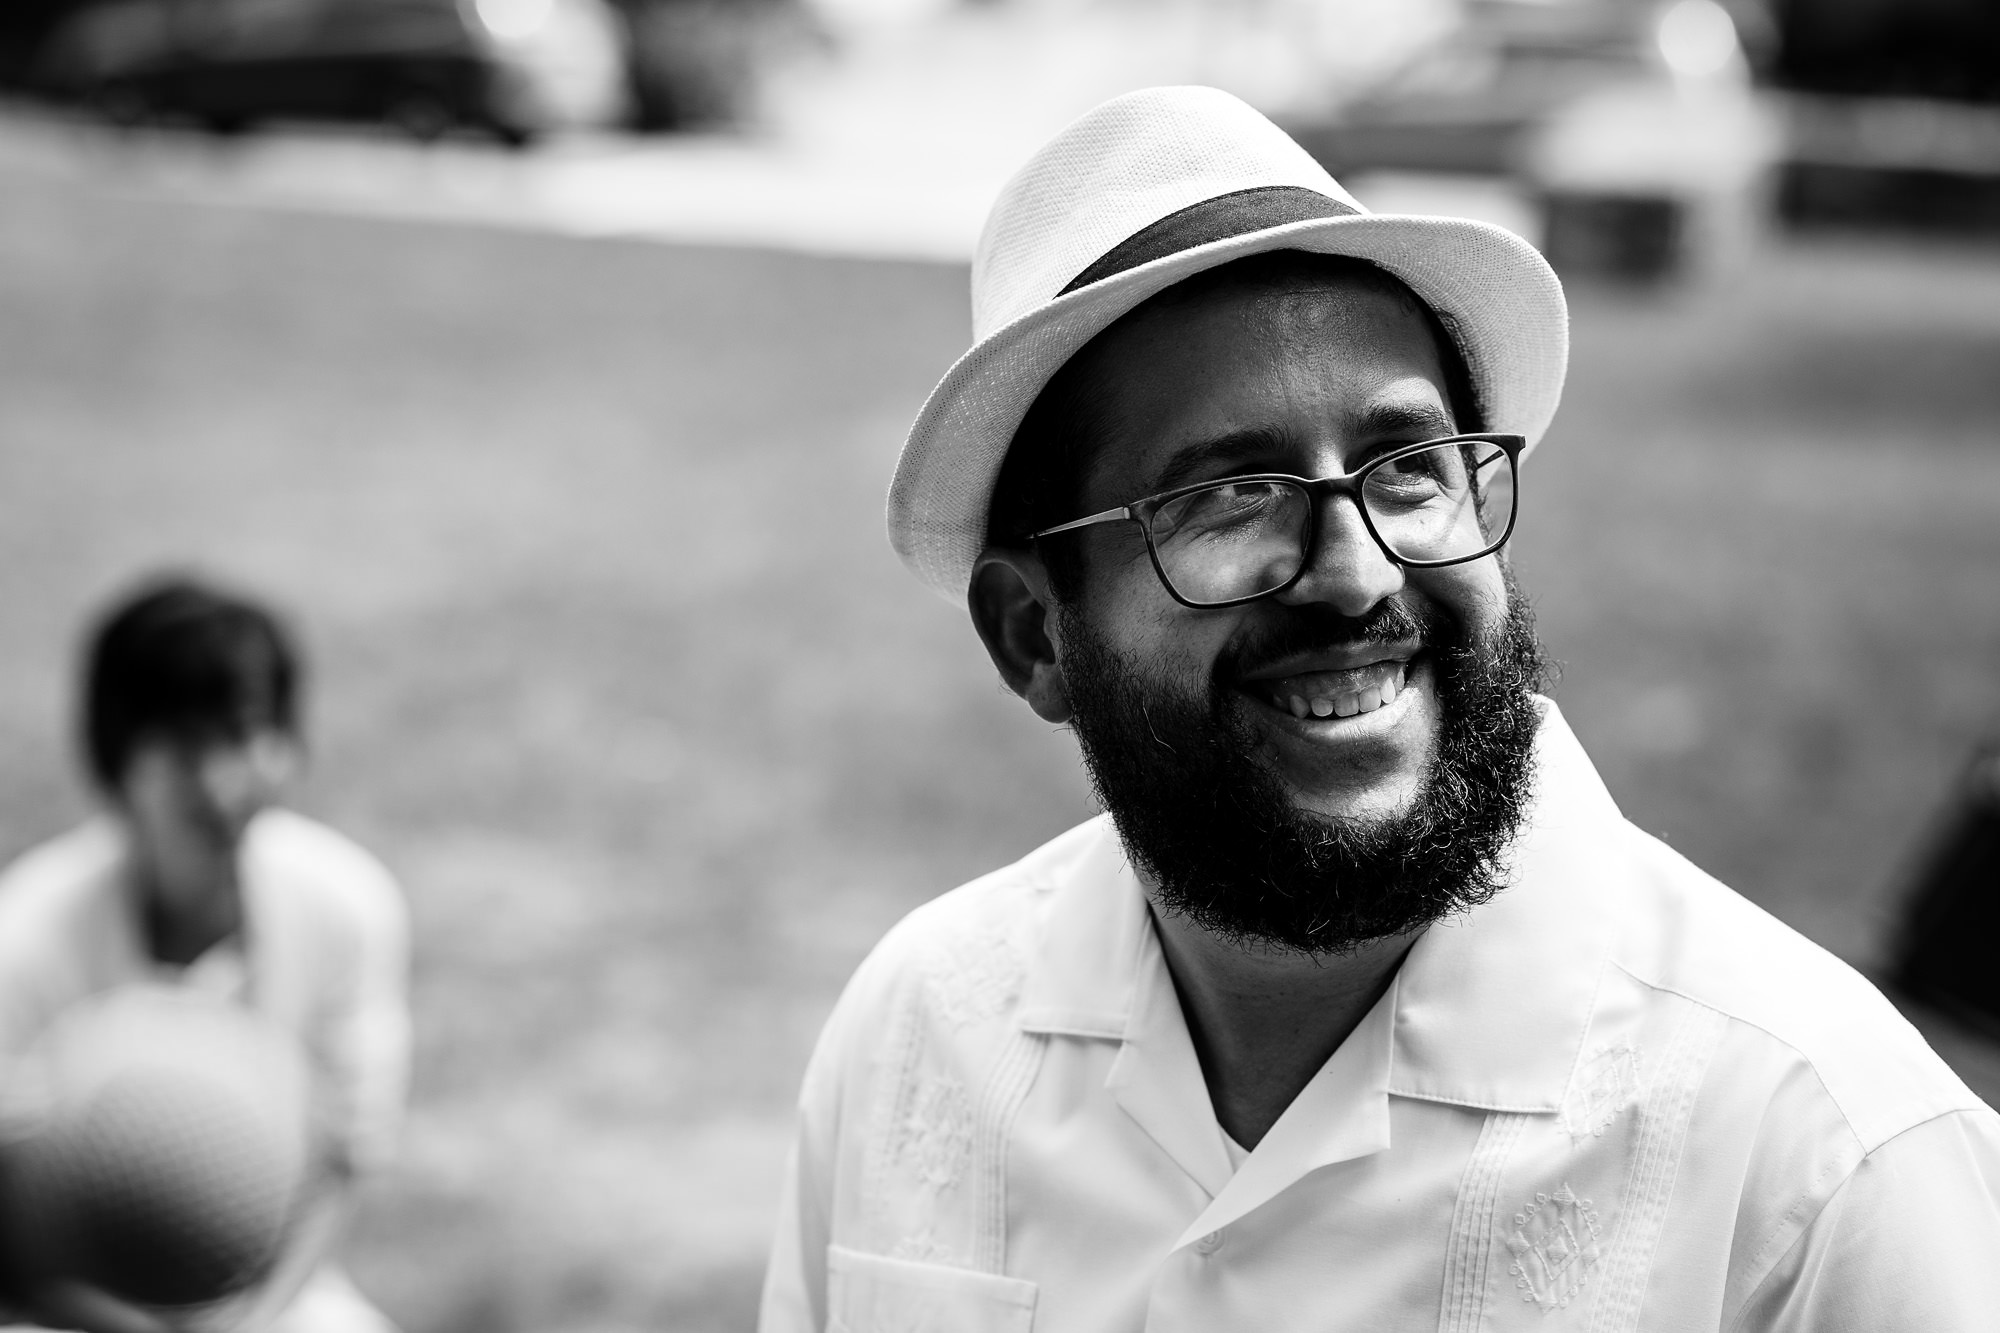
{"points": [[1424, 466], [1233, 496], [1226, 505]]}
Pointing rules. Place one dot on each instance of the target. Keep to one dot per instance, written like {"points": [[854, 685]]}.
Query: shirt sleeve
{"points": [[24, 1009], [365, 1039], [1911, 1241], [52, 919], [794, 1298]]}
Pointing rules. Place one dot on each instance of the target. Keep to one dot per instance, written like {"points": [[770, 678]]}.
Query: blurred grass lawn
{"points": [[617, 672]]}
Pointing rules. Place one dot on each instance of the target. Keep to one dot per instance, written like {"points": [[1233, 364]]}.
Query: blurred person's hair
{"points": [[181, 657], [1041, 477]]}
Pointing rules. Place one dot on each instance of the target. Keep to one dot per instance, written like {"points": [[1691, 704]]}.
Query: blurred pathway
{"points": [[895, 149], [695, 189]]}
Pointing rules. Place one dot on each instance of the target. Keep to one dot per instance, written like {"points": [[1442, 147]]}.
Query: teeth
{"points": [[1352, 704]]}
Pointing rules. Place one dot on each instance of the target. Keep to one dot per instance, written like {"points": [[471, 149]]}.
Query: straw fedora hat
{"points": [[1140, 193]]}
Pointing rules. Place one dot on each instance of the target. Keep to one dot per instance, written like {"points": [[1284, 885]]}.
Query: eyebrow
{"points": [[1230, 448], [1418, 419], [1426, 418]]}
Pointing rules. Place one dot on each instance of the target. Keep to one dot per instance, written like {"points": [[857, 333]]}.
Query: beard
{"points": [[1202, 812]]}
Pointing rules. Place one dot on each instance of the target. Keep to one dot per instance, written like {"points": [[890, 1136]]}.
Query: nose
{"points": [[238, 780], [1346, 569], [228, 781]]}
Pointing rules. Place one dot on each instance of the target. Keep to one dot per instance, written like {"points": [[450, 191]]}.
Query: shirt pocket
{"points": [[869, 1293]]}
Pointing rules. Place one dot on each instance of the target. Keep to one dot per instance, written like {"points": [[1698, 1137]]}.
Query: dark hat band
{"points": [[1257, 209]]}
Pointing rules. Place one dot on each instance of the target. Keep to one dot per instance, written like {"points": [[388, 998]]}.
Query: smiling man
{"points": [[1362, 1006]]}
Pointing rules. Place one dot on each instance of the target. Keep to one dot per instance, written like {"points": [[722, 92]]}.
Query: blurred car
{"points": [[1631, 124], [515, 68]]}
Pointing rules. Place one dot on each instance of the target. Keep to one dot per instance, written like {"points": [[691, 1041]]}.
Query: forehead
{"points": [[1300, 365]]}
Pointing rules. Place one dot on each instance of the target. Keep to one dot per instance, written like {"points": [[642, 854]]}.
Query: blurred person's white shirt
{"points": [[1617, 1097], [324, 954]]}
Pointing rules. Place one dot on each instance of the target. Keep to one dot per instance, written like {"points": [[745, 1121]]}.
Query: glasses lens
{"points": [[1448, 502], [1231, 540]]}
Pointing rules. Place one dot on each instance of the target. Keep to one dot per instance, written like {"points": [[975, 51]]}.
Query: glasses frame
{"points": [[1141, 511]]}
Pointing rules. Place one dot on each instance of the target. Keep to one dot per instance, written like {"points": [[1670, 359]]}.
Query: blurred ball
{"points": [[160, 1147]]}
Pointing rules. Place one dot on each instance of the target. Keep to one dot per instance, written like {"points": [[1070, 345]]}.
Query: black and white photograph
{"points": [[999, 666]]}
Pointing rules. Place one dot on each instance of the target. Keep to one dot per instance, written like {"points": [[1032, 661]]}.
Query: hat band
{"points": [[1259, 208]]}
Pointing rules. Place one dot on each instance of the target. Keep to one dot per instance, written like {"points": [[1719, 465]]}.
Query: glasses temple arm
{"points": [[1108, 516]]}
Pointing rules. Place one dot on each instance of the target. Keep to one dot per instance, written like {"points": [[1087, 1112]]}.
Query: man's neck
{"points": [[1264, 1021]]}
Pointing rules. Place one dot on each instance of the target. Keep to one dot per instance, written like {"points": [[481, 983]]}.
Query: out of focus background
{"points": [[547, 359]]}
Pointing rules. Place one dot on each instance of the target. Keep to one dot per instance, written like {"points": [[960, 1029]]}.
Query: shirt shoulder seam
{"points": [[1923, 1114], [1806, 1222]]}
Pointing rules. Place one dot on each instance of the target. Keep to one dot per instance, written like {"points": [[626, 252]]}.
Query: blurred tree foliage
{"points": [[1908, 48], [697, 62], [692, 62], [23, 24]]}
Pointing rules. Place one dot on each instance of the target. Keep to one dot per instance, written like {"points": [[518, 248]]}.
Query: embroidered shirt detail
{"points": [[1605, 1087], [1475, 1219], [975, 977], [924, 1248], [941, 1120], [1006, 1091], [1554, 1242], [933, 1136], [1656, 1156]]}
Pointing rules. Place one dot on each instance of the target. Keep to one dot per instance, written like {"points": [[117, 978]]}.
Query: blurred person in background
{"points": [[194, 874], [1362, 1006]]}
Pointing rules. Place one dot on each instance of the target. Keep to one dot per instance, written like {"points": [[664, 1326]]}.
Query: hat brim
{"points": [[1494, 292]]}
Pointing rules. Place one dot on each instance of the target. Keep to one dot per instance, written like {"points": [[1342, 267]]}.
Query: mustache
{"points": [[1316, 627]]}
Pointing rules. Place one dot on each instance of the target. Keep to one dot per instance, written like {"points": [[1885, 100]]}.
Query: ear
{"points": [[1009, 599]]}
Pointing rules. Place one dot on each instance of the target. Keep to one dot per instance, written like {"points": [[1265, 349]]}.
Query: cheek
{"points": [[1158, 641], [150, 792], [1474, 595]]}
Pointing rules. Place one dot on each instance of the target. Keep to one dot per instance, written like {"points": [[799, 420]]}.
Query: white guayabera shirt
{"points": [[1617, 1097]]}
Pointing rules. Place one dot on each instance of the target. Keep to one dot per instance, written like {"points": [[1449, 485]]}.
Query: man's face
{"points": [[188, 796], [1309, 380], [1340, 761]]}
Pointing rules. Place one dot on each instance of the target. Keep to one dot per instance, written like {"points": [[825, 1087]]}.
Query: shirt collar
{"points": [[1489, 1009], [1341, 1115], [1101, 973], [1083, 979], [1492, 1006]]}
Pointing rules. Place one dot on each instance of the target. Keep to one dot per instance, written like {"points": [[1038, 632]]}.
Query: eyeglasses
{"points": [[1226, 542]]}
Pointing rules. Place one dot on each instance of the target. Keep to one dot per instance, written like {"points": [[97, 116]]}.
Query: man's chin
{"points": [[1316, 835]]}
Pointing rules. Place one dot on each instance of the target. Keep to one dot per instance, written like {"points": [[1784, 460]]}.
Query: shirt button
{"points": [[1209, 1244]]}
